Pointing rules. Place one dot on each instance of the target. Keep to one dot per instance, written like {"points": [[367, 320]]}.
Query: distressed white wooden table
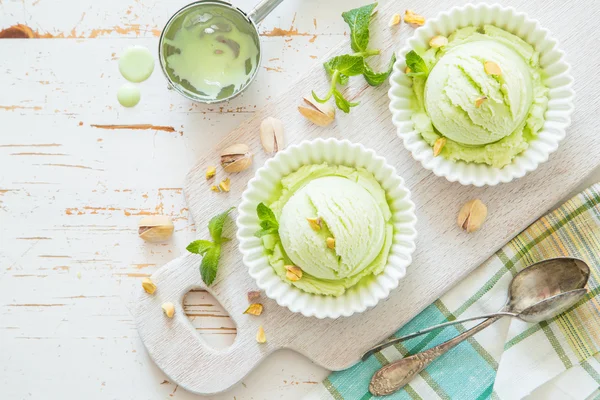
{"points": [[73, 186]]}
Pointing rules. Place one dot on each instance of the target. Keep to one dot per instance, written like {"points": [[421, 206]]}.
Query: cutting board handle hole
{"points": [[210, 319]]}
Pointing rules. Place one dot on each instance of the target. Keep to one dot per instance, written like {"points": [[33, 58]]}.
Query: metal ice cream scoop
{"points": [[537, 293]]}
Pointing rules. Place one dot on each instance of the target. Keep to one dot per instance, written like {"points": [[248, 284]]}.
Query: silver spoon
{"points": [[537, 293]]}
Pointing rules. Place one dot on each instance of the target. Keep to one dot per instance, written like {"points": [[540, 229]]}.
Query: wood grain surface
{"points": [[72, 186], [444, 255]]}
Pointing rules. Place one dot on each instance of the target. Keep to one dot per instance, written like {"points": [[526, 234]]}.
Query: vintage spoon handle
{"points": [[394, 376], [431, 328]]}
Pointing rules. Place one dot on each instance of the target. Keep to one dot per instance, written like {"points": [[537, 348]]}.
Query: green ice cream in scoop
{"points": [[486, 117], [351, 208]]}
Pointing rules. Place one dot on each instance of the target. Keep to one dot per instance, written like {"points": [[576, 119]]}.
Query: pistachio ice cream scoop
{"points": [[342, 210], [334, 224], [471, 105], [483, 93]]}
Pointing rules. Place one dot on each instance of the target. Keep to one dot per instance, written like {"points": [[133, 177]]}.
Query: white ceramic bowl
{"points": [[557, 78], [335, 152]]}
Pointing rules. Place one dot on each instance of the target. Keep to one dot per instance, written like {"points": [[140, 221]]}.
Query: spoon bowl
{"points": [[551, 306], [543, 280]]}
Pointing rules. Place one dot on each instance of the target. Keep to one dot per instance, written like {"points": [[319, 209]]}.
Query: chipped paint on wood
{"points": [[16, 107], [32, 145], [285, 32], [21, 31], [38, 154], [137, 127], [70, 166], [132, 274], [276, 69]]}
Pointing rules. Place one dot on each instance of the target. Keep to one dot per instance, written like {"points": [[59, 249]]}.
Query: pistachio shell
{"points": [[271, 135], [317, 113], [236, 158], [155, 228], [472, 215]]}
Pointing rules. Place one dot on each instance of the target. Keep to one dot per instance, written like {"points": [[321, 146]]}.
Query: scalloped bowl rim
{"points": [[540, 148], [288, 296]]}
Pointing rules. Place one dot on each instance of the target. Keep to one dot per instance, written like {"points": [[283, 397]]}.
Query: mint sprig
{"points": [[268, 222], [211, 250], [341, 68], [417, 65], [377, 78], [358, 20]]}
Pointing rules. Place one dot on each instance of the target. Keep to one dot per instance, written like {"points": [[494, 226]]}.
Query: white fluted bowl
{"points": [[556, 77], [334, 152]]}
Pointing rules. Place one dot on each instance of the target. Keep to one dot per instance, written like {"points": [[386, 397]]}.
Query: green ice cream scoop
{"points": [[486, 116], [471, 106], [348, 214], [352, 209]]}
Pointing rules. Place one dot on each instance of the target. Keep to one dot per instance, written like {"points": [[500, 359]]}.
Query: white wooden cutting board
{"points": [[444, 255]]}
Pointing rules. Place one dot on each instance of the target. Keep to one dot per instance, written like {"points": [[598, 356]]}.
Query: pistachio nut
{"points": [[271, 135], [155, 228], [330, 242], [210, 172], [315, 223], [472, 215], [260, 335], [254, 309], [395, 20], [438, 41], [480, 101], [438, 146], [148, 285], [236, 158], [253, 295], [225, 185], [293, 273], [168, 309], [317, 113], [414, 19], [491, 68]]}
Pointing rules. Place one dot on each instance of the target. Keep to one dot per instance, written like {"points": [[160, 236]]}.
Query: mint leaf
{"points": [[269, 225], [265, 213], [342, 103], [210, 264], [211, 251], [264, 232], [268, 222], [348, 65], [377, 78], [215, 225], [358, 20], [343, 79], [199, 246], [416, 64]]}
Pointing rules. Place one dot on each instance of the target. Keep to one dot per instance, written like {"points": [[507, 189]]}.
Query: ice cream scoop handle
{"points": [[396, 375], [263, 9]]}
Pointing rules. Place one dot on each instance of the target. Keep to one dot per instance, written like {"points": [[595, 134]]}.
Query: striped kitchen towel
{"points": [[511, 359]]}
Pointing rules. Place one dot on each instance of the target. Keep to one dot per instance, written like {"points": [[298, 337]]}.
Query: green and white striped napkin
{"points": [[555, 359]]}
